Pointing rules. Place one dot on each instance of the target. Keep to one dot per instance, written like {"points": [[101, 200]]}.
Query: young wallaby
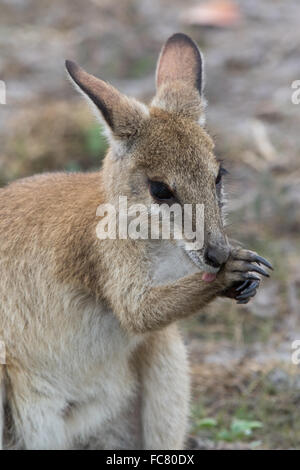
{"points": [[94, 358]]}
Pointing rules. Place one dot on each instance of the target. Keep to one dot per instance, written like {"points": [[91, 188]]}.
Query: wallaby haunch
{"points": [[94, 358]]}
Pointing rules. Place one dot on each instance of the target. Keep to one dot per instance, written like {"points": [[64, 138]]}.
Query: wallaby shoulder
{"points": [[51, 219]]}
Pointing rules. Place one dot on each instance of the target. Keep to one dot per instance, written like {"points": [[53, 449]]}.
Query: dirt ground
{"points": [[246, 390]]}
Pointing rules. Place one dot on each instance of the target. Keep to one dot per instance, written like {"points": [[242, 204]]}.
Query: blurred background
{"points": [[246, 390]]}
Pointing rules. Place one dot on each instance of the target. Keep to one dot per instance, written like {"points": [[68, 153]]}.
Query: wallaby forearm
{"points": [[162, 305], [145, 308]]}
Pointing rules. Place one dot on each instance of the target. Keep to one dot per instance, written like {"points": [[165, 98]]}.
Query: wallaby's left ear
{"points": [[179, 77], [180, 59], [122, 116]]}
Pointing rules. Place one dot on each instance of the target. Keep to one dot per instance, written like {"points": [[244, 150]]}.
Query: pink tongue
{"points": [[208, 277]]}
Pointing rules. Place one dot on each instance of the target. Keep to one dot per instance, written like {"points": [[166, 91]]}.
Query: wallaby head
{"points": [[161, 153]]}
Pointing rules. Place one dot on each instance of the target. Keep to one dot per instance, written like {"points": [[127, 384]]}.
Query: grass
{"points": [[255, 412]]}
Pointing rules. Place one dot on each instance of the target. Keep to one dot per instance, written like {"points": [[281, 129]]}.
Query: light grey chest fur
{"points": [[169, 263]]}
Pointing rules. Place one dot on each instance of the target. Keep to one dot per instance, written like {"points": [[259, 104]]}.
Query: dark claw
{"points": [[257, 269], [249, 292], [236, 287], [243, 301], [246, 296], [253, 286], [260, 259], [250, 276], [242, 286]]}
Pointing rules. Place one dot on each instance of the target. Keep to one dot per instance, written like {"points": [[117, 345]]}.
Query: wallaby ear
{"points": [[180, 59], [122, 116], [179, 77]]}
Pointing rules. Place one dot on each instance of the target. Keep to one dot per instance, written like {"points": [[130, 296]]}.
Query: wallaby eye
{"points": [[160, 190], [222, 172]]}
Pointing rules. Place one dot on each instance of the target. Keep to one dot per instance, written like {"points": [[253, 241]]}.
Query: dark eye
{"points": [[160, 190], [222, 172]]}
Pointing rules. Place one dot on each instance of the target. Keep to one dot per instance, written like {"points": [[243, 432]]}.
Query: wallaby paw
{"points": [[239, 274]]}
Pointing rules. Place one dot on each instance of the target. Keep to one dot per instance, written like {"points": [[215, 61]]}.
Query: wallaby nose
{"points": [[216, 255]]}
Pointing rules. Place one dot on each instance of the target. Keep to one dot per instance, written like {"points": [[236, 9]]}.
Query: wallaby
{"points": [[94, 358]]}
